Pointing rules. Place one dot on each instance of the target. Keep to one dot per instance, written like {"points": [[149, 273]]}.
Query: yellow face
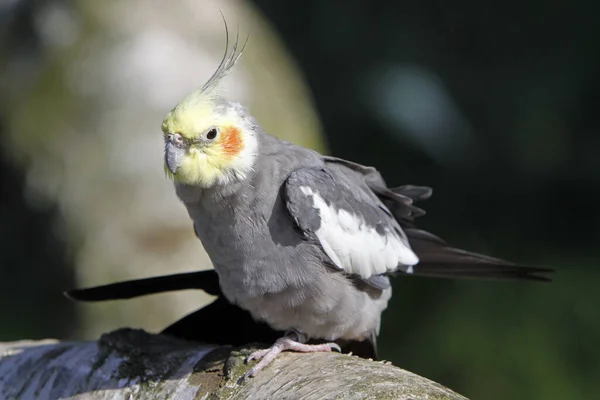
{"points": [[205, 148]]}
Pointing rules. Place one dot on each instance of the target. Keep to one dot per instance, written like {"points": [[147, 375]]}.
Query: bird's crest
{"points": [[210, 90]]}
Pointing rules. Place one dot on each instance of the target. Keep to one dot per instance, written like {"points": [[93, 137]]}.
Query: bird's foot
{"points": [[266, 356]]}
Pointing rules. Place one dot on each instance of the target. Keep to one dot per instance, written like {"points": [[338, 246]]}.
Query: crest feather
{"points": [[209, 90]]}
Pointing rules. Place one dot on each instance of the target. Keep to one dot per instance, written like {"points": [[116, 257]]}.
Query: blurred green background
{"points": [[494, 105]]}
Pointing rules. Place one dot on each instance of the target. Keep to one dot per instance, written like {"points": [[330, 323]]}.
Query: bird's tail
{"points": [[206, 280], [438, 259]]}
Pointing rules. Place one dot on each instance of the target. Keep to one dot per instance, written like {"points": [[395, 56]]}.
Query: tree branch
{"points": [[134, 364]]}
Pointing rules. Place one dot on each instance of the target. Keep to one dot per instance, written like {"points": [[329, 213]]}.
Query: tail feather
{"points": [[206, 280], [438, 259], [219, 323]]}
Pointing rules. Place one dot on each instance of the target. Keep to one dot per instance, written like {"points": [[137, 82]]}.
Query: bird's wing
{"points": [[436, 257], [354, 228], [399, 200]]}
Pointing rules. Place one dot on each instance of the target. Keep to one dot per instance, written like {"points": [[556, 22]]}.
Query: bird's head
{"points": [[210, 141]]}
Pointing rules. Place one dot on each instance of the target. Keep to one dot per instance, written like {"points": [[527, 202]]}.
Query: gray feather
{"points": [[267, 265], [230, 58], [352, 225]]}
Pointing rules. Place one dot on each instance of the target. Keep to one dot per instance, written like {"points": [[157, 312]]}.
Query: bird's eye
{"points": [[211, 134]]}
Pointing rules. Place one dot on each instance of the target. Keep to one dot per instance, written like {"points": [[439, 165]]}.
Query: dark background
{"points": [[493, 105]]}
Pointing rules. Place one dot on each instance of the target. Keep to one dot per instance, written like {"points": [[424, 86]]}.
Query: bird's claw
{"points": [[334, 346], [266, 356]]}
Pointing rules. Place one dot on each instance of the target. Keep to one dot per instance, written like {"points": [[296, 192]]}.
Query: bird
{"points": [[302, 243]]}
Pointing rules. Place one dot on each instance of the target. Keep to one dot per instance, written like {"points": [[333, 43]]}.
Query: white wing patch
{"points": [[356, 247]]}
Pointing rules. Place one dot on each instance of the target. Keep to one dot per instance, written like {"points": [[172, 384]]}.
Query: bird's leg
{"points": [[292, 340]]}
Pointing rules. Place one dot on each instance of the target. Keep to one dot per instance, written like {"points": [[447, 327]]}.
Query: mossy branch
{"points": [[134, 364]]}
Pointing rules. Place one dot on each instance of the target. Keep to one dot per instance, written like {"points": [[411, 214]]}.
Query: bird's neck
{"points": [[215, 195]]}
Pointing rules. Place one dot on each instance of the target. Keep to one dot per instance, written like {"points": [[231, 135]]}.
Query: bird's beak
{"points": [[173, 156]]}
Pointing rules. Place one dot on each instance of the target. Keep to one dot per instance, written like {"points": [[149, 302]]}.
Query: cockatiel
{"points": [[305, 243]]}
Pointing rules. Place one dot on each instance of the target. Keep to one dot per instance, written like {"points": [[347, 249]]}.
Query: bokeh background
{"points": [[494, 104]]}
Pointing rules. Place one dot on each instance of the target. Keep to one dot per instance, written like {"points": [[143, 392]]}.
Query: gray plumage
{"points": [[265, 261], [281, 240]]}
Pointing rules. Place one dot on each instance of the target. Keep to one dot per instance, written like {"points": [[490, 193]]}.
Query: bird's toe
{"points": [[257, 355]]}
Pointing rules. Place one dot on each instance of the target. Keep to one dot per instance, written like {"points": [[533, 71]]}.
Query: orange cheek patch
{"points": [[231, 141]]}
